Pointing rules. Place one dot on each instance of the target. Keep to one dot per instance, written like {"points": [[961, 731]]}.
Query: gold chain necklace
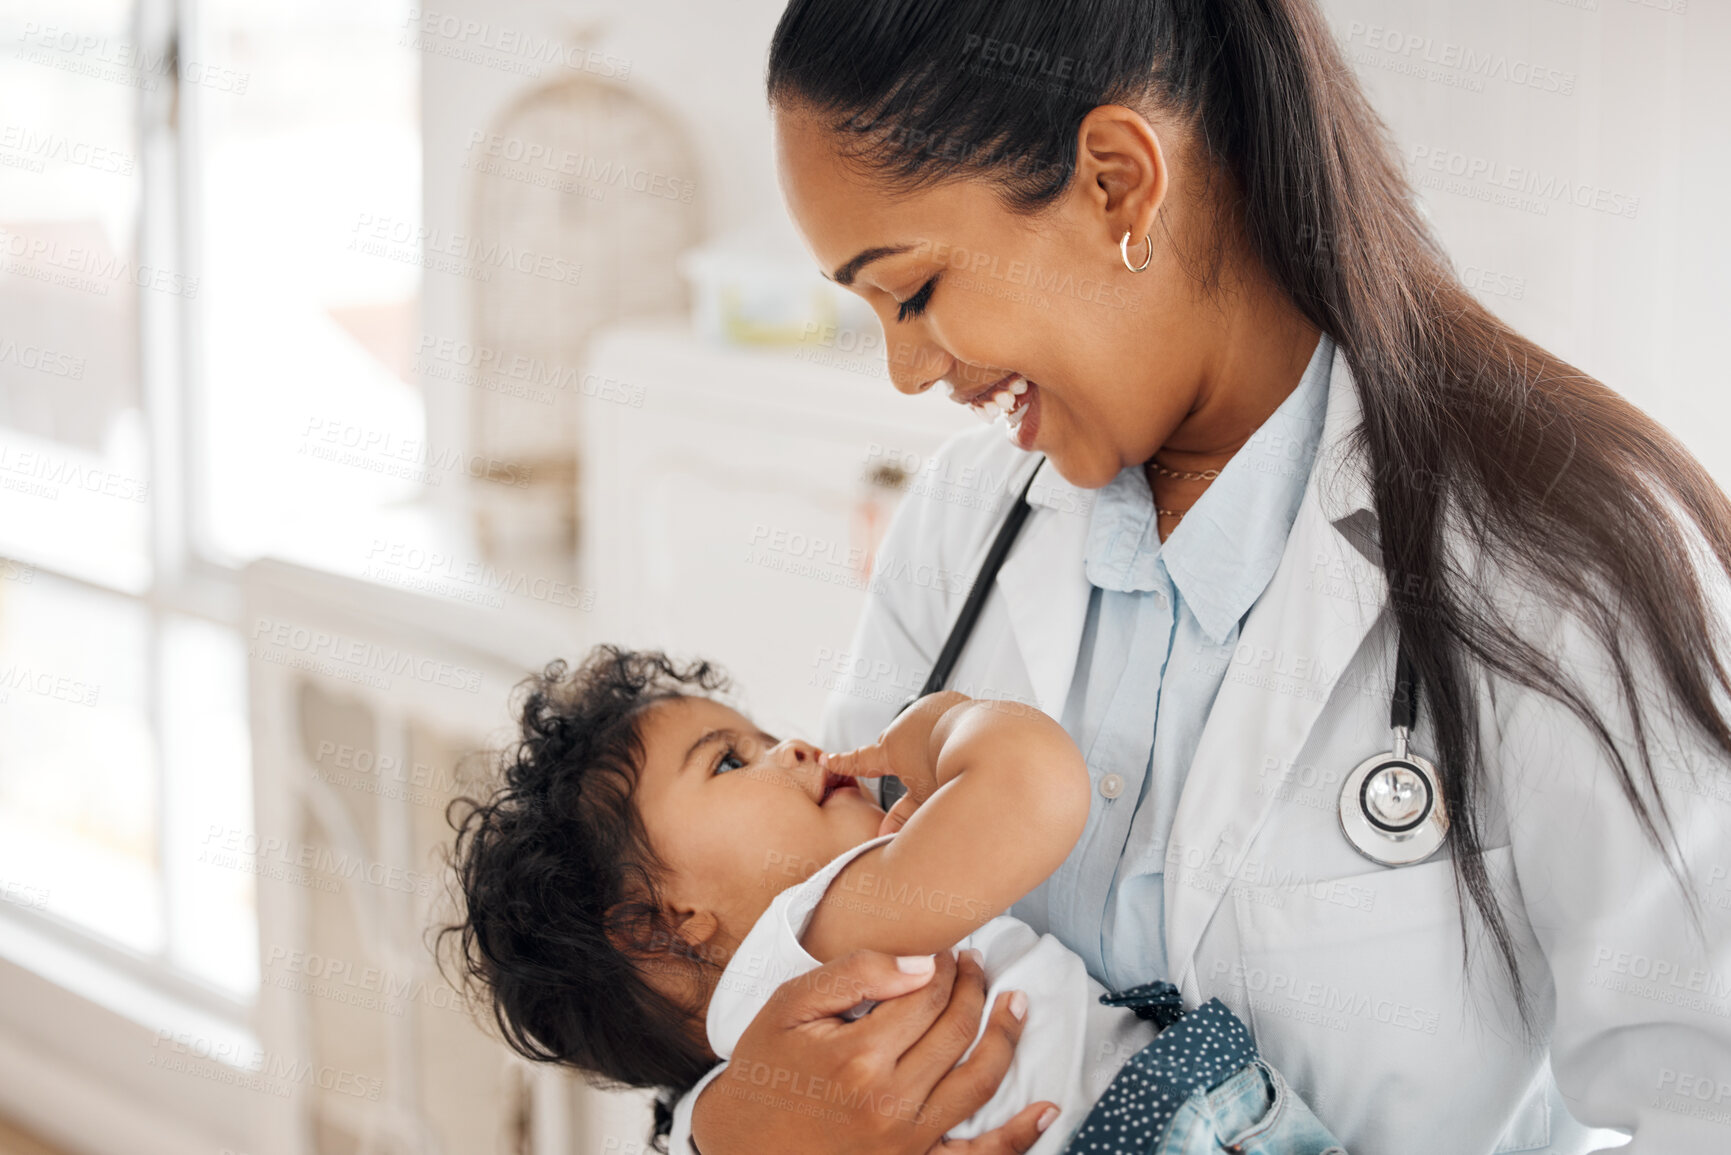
{"points": [[1184, 474], [1179, 475]]}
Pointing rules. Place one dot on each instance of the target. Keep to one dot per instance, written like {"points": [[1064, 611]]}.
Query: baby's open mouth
{"points": [[834, 782]]}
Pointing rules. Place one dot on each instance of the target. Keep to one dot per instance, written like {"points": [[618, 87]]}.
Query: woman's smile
{"points": [[1012, 398]]}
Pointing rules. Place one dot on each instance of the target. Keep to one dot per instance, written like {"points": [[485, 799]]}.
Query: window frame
{"points": [[187, 579]]}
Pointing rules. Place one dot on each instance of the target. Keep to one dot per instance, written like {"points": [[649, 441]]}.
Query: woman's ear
{"points": [[1121, 166]]}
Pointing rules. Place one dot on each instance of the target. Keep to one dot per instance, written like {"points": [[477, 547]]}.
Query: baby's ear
{"points": [[700, 931], [676, 934]]}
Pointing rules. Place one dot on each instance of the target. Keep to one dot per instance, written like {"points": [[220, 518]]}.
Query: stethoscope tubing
{"points": [[1401, 845]]}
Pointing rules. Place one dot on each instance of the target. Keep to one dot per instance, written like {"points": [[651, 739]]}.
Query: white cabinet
{"points": [[732, 498]]}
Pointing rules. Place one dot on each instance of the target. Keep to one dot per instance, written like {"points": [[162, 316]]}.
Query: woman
{"points": [[1276, 439]]}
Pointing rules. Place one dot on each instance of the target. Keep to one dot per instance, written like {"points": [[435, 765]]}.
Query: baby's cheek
{"points": [[864, 820], [785, 863]]}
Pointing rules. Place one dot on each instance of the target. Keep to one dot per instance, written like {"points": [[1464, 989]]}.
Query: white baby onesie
{"points": [[1071, 1046]]}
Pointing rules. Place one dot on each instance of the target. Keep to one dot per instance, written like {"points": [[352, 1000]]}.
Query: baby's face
{"points": [[736, 815]]}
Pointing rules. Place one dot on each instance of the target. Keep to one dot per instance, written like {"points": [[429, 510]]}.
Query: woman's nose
{"points": [[914, 367], [911, 385]]}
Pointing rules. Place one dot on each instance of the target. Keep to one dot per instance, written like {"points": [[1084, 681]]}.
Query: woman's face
{"points": [[977, 298]]}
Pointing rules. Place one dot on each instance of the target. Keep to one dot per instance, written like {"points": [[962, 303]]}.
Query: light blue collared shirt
{"points": [[1163, 620]]}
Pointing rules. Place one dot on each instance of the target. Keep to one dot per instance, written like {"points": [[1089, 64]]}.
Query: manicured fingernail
{"points": [[1047, 1118], [1019, 1005], [979, 959], [915, 964]]}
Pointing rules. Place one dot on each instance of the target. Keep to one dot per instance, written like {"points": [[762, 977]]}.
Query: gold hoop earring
{"points": [[1124, 251]]}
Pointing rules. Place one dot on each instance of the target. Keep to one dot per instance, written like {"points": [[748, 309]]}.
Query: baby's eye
{"points": [[729, 761]]}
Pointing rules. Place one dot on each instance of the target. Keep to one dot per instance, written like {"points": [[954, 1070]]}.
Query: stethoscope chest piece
{"points": [[1391, 807]]}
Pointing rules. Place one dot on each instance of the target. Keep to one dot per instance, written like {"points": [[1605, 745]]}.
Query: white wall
{"points": [[1642, 110], [701, 59]]}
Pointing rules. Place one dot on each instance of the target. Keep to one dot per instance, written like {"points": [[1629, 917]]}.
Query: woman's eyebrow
{"points": [[846, 274]]}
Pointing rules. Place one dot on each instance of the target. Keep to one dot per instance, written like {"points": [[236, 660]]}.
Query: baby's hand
{"points": [[904, 749], [873, 762]]}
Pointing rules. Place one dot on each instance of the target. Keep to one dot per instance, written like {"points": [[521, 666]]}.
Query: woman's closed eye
{"points": [[916, 304]]}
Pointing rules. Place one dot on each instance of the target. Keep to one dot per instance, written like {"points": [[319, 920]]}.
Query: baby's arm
{"points": [[1003, 796]]}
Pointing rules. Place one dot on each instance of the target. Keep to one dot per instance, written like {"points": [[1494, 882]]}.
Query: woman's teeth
{"points": [[1009, 402]]}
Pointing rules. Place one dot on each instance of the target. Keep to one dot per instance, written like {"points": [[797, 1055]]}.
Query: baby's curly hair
{"points": [[560, 913]]}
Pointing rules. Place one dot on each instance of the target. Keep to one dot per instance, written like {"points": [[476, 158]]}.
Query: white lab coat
{"points": [[1350, 974]]}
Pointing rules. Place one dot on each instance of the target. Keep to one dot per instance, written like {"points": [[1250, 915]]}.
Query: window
{"points": [[185, 320], [309, 231]]}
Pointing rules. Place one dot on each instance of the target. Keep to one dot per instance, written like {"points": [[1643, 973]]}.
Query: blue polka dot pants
{"points": [[1198, 1089]]}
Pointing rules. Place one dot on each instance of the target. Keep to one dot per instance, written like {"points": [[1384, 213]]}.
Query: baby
{"points": [[654, 865]]}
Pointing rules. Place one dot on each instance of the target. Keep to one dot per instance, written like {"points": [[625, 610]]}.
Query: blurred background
{"points": [[358, 357]]}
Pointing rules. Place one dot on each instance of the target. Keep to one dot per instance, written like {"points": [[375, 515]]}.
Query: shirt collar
{"points": [[1226, 549]]}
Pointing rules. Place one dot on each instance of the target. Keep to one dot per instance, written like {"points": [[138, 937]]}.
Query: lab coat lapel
{"points": [[1046, 589], [1291, 652]]}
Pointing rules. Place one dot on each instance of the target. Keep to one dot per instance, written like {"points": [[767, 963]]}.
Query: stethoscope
{"points": [[1391, 805]]}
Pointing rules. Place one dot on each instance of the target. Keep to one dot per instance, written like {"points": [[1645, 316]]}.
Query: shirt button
{"points": [[1111, 786]]}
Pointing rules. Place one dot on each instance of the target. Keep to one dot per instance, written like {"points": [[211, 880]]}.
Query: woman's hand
{"points": [[904, 749], [804, 1079]]}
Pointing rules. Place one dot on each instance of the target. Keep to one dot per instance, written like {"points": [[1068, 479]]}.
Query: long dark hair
{"points": [[1465, 422]]}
